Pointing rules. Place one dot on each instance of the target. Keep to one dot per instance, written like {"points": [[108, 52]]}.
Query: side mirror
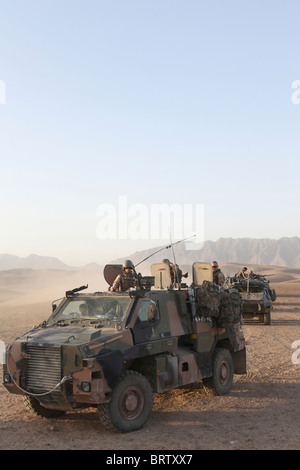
{"points": [[53, 307]]}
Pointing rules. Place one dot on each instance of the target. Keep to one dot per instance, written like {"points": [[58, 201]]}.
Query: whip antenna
{"points": [[164, 248]]}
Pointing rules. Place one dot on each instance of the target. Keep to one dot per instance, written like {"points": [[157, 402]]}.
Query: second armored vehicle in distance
{"points": [[257, 296]]}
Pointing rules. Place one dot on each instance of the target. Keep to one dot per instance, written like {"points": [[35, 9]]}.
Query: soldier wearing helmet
{"points": [[175, 272], [127, 279]]}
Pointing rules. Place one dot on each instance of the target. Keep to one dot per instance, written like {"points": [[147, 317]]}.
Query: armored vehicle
{"points": [[257, 296], [113, 350]]}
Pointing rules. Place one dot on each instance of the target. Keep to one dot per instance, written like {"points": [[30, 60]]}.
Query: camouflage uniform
{"points": [[124, 282], [218, 277], [175, 272]]}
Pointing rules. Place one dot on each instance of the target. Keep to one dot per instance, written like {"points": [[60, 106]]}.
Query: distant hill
{"points": [[30, 262], [265, 251], [284, 252], [33, 261]]}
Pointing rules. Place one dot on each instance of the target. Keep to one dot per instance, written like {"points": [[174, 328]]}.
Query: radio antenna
{"points": [[175, 265], [161, 249]]}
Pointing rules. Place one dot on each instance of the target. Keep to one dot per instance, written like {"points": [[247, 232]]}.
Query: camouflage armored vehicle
{"points": [[113, 350], [257, 296]]}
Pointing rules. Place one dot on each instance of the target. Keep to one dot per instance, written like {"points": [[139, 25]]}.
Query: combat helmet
{"points": [[128, 264], [166, 261]]}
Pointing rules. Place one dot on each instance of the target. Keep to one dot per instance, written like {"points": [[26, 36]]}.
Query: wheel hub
{"points": [[131, 403], [223, 372]]}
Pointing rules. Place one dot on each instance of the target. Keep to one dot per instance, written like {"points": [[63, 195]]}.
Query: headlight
{"points": [[84, 386], [6, 378]]}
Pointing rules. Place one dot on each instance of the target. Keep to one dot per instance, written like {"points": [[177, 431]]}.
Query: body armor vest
{"points": [[127, 282]]}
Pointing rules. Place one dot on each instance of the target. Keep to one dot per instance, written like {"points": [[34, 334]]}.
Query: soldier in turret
{"points": [[218, 276], [127, 279], [242, 274], [175, 272]]}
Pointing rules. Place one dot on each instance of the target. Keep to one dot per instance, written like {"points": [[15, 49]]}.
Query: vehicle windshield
{"points": [[104, 308]]}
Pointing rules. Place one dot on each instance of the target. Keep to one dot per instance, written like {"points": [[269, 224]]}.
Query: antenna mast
{"points": [[175, 265]]}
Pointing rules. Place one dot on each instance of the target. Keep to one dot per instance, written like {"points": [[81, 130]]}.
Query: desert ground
{"points": [[261, 412]]}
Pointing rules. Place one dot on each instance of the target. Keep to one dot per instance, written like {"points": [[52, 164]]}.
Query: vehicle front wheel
{"points": [[130, 405], [221, 381]]}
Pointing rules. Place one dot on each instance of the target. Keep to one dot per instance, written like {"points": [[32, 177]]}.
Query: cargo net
{"points": [[222, 306]]}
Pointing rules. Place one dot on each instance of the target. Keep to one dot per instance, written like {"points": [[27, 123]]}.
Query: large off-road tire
{"points": [[130, 405], [33, 405], [221, 381]]}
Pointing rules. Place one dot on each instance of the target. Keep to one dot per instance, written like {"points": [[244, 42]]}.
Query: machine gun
{"points": [[70, 293]]}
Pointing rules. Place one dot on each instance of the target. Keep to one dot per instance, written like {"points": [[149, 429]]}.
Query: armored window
{"points": [[148, 311]]}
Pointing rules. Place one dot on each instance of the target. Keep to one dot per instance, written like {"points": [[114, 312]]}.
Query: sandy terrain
{"points": [[262, 410]]}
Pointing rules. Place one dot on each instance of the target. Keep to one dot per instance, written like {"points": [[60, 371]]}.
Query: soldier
{"points": [[83, 308], [86, 310], [175, 272], [127, 279], [218, 276], [242, 274]]}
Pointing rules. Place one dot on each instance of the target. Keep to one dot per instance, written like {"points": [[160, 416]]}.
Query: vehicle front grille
{"points": [[43, 368]]}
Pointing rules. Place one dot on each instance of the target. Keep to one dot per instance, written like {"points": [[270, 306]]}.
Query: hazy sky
{"points": [[149, 102]]}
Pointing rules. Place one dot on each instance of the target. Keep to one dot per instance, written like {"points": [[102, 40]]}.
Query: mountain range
{"points": [[33, 261], [266, 251], [282, 252]]}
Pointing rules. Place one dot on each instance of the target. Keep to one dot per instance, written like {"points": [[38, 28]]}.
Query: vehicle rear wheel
{"points": [[221, 381], [130, 405], [267, 317], [34, 406]]}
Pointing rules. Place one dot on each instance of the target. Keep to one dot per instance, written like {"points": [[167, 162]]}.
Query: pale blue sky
{"points": [[164, 101]]}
